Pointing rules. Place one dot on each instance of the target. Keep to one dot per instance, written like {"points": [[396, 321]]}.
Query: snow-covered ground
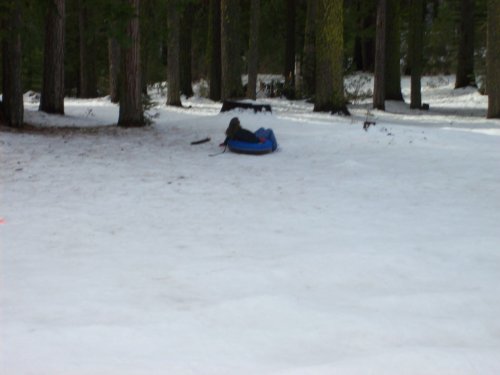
{"points": [[131, 252]]}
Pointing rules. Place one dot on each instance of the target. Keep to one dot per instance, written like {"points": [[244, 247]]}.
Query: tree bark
{"points": [[186, 27], [88, 79], [52, 95], [131, 110], [253, 53], [493, 59], [309, 61], [214, 50], [173, 50], [148, 12], [465, 58], [393, 52], [12, 99], [289, 65], [369, 21], [114, 58], [329, 58], [380, 57], [230, 50], [416, 51]]}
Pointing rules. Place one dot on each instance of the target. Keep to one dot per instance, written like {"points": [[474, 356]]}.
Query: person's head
{"points": [[234, 126]]}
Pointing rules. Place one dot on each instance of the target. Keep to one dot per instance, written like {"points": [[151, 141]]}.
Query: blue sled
{"points": [[269, 145]]}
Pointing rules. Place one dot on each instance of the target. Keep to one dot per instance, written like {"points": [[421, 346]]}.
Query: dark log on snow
{"points": [[229, 105]]}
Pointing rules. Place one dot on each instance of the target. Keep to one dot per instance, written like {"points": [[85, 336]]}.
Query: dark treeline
{"points": [[90, 48]]}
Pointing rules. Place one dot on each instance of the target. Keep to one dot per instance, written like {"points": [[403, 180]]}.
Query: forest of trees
{"points": [[90, 48]]}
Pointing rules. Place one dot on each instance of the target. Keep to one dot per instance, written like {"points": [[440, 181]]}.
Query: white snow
{"points": [[131, 252]]}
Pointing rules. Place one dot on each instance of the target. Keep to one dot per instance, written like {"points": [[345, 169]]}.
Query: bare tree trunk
{"points": [[393, 53], [309, 63], [253, 53], [380, 57], [173, 50], [465, 57], [357, 57], [114, 69], [230, 50], [214, 50], [148, 11], [367, 21], [131, 110], [88, 83], [329, 58], [12, 99], [52, 95], [186, 42], [493, 59], [364, 48], [289, 66], [416, 48]]}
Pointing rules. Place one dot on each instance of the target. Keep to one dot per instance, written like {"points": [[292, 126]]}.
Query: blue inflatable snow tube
{"points": [[250, 148], [269, 145]]}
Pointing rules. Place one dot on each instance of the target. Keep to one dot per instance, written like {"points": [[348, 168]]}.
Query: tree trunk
{"points": [[149, 35], [131, 110], [357, 55], [186, 27], [88, 80], [364, 51], [52, 95], [289, 66], [12, 99], [173, 50], [230, 50], [393, 53], [114, 57], [493, 59], [329, 58], [309, 62], [416, 51], [368, 43], [253, 53], [214, 50], [465, 58], [380, 57]]}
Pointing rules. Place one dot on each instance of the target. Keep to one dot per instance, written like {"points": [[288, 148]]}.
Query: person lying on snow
{"points": [[235, 132]]}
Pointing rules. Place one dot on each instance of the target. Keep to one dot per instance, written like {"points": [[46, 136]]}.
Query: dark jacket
{"points": [[243, 135]]}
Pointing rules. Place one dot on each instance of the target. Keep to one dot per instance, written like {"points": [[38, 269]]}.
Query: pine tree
{"points": [[230, 50], [173, 50], [131, 109], [380, 56], [465, 57], [114, 58], [493, 59], [253, 53], [329, 58], [309, 60], [186, 41], [416, 50], [214, 50], [12, 99], [88, 79], [52, 95], [365, 20], [393, 52], [289, 58]]}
